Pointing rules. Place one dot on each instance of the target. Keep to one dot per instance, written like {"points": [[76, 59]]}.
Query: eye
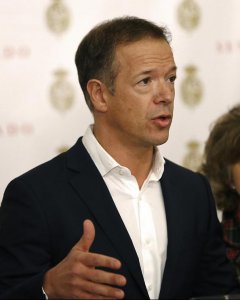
{"points": [[145, 81], [172, 79]]}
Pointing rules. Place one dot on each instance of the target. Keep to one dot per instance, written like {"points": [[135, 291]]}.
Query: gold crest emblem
{"points": [[61, 92], [58, 17], [62, 149], [191, 87], [188, 14], [192, 159]]}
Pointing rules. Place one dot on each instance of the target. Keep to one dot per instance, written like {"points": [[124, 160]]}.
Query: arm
{"points": [[215, 272], [77, 277], [231, 232], [25, 255]]}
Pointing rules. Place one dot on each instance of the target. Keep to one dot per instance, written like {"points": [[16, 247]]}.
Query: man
{"points": [[110, 218]]}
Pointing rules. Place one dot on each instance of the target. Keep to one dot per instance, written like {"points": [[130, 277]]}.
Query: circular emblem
{"points": [[62, 149], [61, 92], [191, 87], [188, 14], [192, 159], [58, 17]]}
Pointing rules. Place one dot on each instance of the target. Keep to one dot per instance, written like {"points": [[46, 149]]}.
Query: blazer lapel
{"points": [[171, 196], [90, 185]]}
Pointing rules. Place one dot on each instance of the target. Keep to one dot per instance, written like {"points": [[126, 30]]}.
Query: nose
{"points": [[164, 92]]}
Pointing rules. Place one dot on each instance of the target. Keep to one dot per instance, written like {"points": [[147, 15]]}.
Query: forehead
{"points": [[144, 51]]}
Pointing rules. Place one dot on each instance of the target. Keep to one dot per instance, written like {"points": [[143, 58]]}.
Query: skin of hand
{"points": [[76, 275]]}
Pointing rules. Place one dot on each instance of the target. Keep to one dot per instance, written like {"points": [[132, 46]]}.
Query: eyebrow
{"points": [[147, 72], [174, 68]]}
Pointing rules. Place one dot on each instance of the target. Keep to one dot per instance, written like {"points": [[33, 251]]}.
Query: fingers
{"points": [[98, 260], [85, 243], [103, 277], [78, 275], [93, 259], [101, 290], [99, 283], [90, 279], [86, 295]]}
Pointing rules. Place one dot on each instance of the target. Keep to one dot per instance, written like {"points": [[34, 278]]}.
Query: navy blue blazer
{"points": [[41, 219]]}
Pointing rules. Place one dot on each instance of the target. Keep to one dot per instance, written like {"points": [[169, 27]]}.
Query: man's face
{"points": [[140, 110]]}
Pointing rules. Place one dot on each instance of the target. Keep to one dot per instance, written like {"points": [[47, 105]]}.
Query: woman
{"points": [[222, 167]]}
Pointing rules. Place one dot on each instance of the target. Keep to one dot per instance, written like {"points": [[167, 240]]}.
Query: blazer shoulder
{"points": [[54, 168], [172, 169]]}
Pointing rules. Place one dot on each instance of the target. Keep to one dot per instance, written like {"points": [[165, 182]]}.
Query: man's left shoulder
{"points": [[181, 174], [174, 167]]}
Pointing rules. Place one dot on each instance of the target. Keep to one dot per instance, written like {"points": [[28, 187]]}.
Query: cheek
{"points": [[130, 106], [121, 112]]}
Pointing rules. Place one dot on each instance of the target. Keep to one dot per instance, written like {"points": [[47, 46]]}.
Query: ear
{"points": [[96, 90]]}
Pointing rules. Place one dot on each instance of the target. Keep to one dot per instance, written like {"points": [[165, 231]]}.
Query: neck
{"points": [[138, 159]]}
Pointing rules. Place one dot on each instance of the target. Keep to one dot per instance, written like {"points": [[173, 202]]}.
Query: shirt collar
{"points": [[105, 163], [158, 165]]}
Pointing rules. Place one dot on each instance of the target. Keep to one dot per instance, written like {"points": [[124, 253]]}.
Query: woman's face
{"points": [[236, 176]]}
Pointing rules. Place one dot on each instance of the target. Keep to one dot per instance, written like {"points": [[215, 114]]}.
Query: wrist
{"points": [[45, 294], [46, 288]]}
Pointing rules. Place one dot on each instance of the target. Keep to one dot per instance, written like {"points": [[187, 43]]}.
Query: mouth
{"points": [[162, 120]]}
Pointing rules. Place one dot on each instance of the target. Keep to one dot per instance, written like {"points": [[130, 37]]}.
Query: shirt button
{"points": [[121, 172], [147, 242]]}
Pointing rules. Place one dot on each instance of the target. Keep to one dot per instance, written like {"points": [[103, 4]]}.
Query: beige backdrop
{"points": [[42, 110]]}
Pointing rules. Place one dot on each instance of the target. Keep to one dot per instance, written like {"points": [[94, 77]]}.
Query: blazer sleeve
{"points": [[24, 244]]}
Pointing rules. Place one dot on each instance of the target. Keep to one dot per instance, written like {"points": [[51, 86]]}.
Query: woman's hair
{"points": [[95, 56], [222, 151]]}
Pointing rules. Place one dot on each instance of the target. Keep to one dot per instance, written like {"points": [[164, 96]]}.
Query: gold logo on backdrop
{"points": [[191, 87], [192, 159], [58, 17], [188, 14], [61, 92], [62, 149]]}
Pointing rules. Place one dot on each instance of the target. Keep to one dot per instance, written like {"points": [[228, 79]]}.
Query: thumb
{"points": [[85, 243]]}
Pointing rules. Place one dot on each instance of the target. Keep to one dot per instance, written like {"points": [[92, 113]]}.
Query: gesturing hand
{"points": [[76, 277]]}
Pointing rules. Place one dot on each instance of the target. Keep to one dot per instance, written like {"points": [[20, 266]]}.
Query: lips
{"points": [[162, 120]]}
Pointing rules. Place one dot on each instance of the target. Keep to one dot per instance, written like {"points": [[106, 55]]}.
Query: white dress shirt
{"points": [[142, 211]]}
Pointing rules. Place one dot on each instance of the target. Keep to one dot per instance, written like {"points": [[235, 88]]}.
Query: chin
{"points": [[158, 142], [160, 137], [161, 140]]}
